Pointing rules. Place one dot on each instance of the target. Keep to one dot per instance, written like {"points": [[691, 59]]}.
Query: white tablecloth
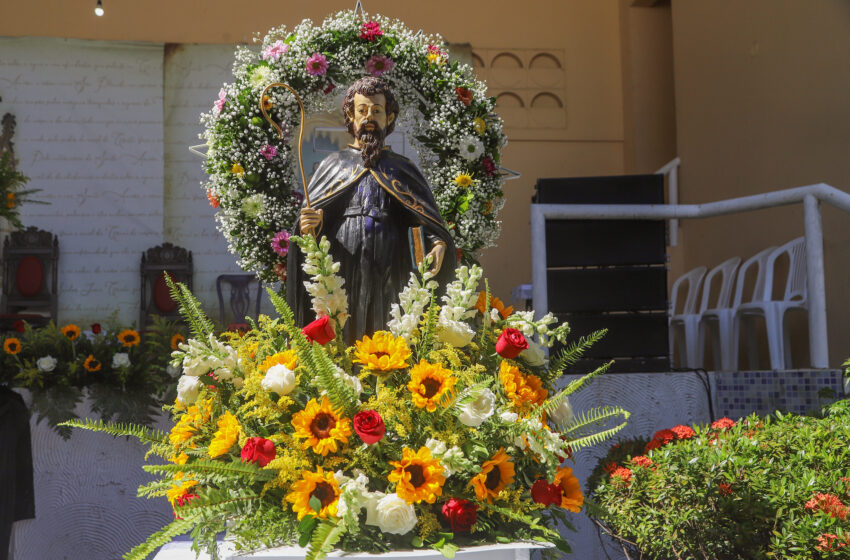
{"points": [[181, 550]]}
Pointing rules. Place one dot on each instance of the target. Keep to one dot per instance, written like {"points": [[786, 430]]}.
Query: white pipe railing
{"points": [[671, 170], [810, 196]]}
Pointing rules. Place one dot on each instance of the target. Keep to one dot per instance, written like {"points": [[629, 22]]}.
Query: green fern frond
{"points": [[190, 309], [215, 468], [142, 433], [570, 355], [161, 537], [154, 489], [217, 504], [281, 306], [325, 537], [599, 415], [579, 383], [555, 401], [585, 420], [340, 394]]}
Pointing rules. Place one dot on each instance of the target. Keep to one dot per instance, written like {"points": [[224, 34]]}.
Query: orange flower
{"points": [[419, 476], [571, 495], [495, 303], [623, 474], [430, 384], [828, 503], [496, 475], [129, 337], [177, 339], [92, 364], [521, 389], [12, 346], [72, 332]]}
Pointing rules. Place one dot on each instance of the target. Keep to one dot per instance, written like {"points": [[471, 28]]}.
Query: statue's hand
{"points": [[310, 221], [437, 254]]}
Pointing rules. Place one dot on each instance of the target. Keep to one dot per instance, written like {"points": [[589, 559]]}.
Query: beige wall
{"points": [[584, 35], [762, 104]]}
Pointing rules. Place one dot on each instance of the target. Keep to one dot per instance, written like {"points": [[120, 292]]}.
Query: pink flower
{"points": [[379, 64], [489, 166], [275, 51], [370, 31], [280, 243], [317, 64], [222, 99], [268, 151]]}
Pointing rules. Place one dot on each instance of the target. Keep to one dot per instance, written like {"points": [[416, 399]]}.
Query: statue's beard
{"points": [[371, 143]]}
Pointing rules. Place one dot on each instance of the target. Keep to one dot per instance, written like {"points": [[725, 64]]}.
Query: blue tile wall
{"points": [[740, 393]]}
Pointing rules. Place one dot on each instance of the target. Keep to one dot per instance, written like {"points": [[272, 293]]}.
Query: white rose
{"points": [[563, 413], [534, 354], [392, 515], [479, 410], [279, 379], [455, 333], [188, 388], [120, 359], [46, 364], [508, 417]]}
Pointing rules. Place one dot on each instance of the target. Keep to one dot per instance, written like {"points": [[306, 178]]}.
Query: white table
{"points": [[181, 550]]}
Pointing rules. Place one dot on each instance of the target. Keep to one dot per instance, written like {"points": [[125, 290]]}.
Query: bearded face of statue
{"points": [[370, 121]]}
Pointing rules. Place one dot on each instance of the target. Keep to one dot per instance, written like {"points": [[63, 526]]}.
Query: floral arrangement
{"points": [[252, 172], [12, 193], [445, 430], [777, 487], [127, 374]]}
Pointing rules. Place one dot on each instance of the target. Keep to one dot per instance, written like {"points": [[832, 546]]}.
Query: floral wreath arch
{"points": [[253, 179]]}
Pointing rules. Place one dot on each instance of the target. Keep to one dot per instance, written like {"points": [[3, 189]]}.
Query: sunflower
{"points": [[571, 495], [419, 476], [429, 383], [12, 346], [225, 436], [382, 353], [521, 389], [320, 485], [92, 363], [176, 340], [495, 303], [71, 332], [496, 474], [321, 426], [288, 358], [129, 337], [463, 180]]}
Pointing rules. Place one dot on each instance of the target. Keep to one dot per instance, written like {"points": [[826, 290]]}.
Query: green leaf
{"points": [[305, 529], [315, 504], [325, 537]]}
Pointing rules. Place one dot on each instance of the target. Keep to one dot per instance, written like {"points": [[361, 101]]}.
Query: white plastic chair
{"points": [[684, 325], [717, 320], [773, 311]]}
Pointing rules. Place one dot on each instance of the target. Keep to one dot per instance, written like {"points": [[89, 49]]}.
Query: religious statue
{"points": [[378, 212]]}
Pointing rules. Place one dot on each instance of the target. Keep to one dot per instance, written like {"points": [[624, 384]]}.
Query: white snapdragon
{"points": [[325, 286], [459, 304], [120, 359], [46, 364], [354, 495], [198, 358], [477, 411], [279, 379], [452, 458], [188, 388], [525, 323], [406, 314]]}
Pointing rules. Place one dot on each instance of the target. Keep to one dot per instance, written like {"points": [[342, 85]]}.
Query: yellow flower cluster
{"points": [[521, 389], [190, 422], [226, 435]]}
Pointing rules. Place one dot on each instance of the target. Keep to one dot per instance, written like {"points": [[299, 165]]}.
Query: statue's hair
{"points": [[368, 86]]}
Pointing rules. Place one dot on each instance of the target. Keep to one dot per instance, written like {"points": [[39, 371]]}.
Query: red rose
{"points": [[510, 343], [369, 426], [461, 514], [19, 326], [258, 450], [464, 95], [95, 328], [544, 493], [320, 330]]}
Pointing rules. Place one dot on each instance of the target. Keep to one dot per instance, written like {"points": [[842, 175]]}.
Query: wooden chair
{"points": [[30, 278], [239, 303], [155, 295]]}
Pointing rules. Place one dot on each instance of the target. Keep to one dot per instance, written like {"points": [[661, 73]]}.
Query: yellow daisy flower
{"points": [[572, 497], [12, 346], [521, 389], [179, 491], [176, 340], [321, 427], [429, 383], [382, 353], [320, 485], [92, 364], [288, 358], [463, 180], [496, 475], [237, 170], [225, 436], [479, 125], [71, 332], [419, 476], [129, 337]]}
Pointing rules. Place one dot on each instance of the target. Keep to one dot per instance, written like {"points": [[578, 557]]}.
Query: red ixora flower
{"points": [[829, 542], [664, 436], [370, 30], [623, 474], [683, 432], [510, 343], [320, 330], [544, 493], [369, 426], [828, 503], [723, 423], [461, 514], [725, 489], [464, 95], [642, 461], [258, 450]]}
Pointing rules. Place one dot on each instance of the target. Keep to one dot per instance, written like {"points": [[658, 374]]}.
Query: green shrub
{"points": [[777, 488]]}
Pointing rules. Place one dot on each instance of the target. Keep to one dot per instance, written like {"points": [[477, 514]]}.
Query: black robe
{"points": [[368, 213]]}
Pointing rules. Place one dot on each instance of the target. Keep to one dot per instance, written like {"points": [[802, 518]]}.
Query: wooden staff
{"points": [[280, 130]]}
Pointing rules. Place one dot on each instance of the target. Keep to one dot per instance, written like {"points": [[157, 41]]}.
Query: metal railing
{"points": [[810, 196]]}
